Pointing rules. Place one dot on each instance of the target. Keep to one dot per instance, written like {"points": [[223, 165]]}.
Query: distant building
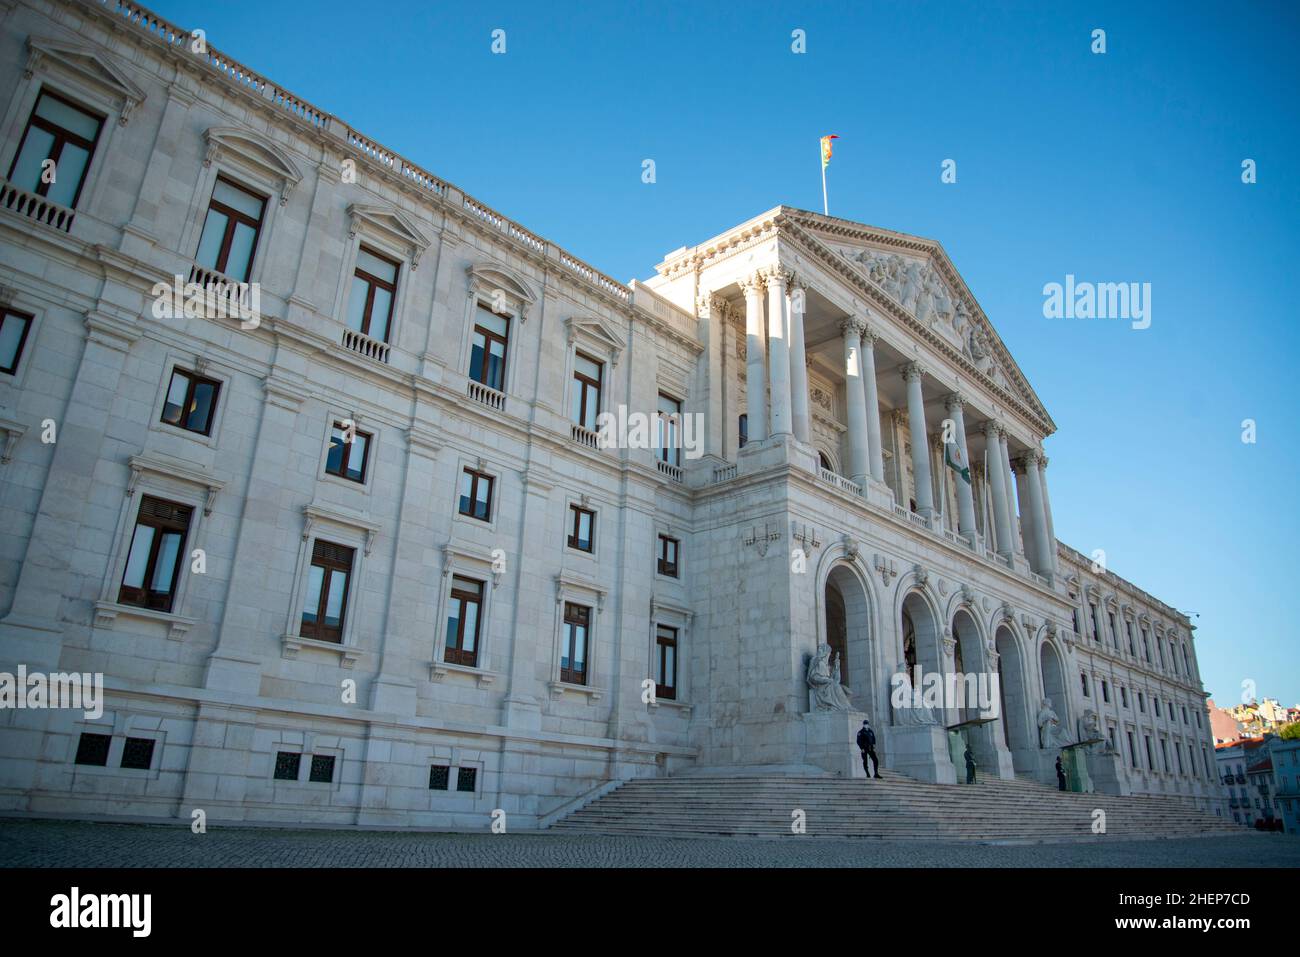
{"points": [[1262, 776], [1286, 781], [1223, 726]]}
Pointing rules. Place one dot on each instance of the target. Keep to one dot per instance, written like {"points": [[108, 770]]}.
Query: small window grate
{"points": [[93, 749], [287, 764], [439, 777], [322, 768], [466, 779], [138, 754]]}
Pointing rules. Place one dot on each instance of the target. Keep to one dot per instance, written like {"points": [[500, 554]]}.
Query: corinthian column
{"points": [[778, 349], [1047, 509], [875, 458], [755, 362], [855, 398], [1009, 483], [796, 305], [912, 372], [955, 405], [1038, 512], [997, 478]]}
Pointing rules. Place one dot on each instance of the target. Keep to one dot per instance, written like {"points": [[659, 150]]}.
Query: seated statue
{"points": [[1050, 733], [825, 693], [912, 713]]}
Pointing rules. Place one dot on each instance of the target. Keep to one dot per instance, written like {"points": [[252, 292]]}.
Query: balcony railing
{"points": [[724, 473], [35, 207], [362, 344], [840, 482], [585, 436], [672, 472], [485, 395]]}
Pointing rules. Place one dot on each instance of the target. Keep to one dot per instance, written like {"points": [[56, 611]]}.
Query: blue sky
{"points": [[1120, 167]]}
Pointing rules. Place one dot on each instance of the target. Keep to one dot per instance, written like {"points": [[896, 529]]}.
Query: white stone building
{"points": [[357, 556]]}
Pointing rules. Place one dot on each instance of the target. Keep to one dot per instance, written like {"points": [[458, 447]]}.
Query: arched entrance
{"points": [[848, 632], [967, 659], [1054, 686], [1015, 701]]}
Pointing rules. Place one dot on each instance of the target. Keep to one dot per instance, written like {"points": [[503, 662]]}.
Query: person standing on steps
{"points": [[970, 766], [867, 745], [1060, 775]]}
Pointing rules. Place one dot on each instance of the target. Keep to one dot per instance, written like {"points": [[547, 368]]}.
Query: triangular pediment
{"points": [[87, 65], [254, 150], [916, 275], [596, 331], [392, 223]]}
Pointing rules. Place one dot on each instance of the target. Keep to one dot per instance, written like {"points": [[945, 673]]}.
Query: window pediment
{"points": [[87, 65], [391, 223], [496, 281], [595, 333], [256, 151]]}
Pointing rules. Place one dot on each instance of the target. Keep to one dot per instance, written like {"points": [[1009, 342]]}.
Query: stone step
{"points": [[893, 807]]}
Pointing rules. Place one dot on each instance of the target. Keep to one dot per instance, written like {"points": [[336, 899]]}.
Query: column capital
{"points": [[869, 334], [777, 275], [954, 400], [852, 325], [989, 429], [753, 283], [911, 370], [796, 280], [710, 305]]}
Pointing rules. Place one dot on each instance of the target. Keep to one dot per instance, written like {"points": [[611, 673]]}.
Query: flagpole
{"points": [[825, 208]]}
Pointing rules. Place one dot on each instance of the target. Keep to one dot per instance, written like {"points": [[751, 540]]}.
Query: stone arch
{"points": [[1016, 692], [1055, 681], [918, 620], [969, 655], [845, 622]]}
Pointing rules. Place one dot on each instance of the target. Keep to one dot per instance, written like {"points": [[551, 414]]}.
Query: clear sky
{"points": [[1115, 167]]}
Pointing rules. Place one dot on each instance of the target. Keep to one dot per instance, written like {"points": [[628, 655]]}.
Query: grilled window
{"points": [[327, 591], [153, 564]]}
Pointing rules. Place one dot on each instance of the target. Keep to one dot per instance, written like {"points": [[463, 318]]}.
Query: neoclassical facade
{"points": [[340, 528]]}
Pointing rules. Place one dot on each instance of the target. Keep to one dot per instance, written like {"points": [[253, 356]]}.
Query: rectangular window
{"points": [[1142, 703], [1128, 625], [1155, 705], [466, 779], [1164, 753], [1123, 696], [1077, 628], [322, 769], [670, 430], [230, 230], [476, 495], [742, 430], [287, 764], [60, 132], [374, 287], [582, 524], [137, 754], [1105, 691], [1132, 750], [464, 607], [587, 375], [191, 402], [1114, 632], [1096, 623], [153, 564], [666, 663], [348, 454], [327, 591], [573, 655], [14, 327], [487, 360], [439, 777], [1151, 761], [668, 549], [92, 749], [1084, 679], [1146, 646]]}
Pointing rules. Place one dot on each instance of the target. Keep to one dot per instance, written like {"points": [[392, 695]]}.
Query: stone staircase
{"points": [[891, 808]]}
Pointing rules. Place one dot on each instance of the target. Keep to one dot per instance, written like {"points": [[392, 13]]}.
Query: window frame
{"points": [[126, 594], [29, 321], [318, 628], [348, 448], [584, 384], [367, 317], [667, 692], [234, 217], [458, 655], [489, 336], [568, 642], [661, 563], [576, 513], [195, 379], [668, 428], [475, 475], [61, 138]]}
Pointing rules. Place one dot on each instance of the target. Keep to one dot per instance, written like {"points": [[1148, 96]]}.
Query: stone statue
{"points": [[825, 693], [1090, 730], [1050, 733], [912, 714]]}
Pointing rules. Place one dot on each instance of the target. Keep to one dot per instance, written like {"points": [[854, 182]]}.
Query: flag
{"points": [[956, 460], [826, 150]]}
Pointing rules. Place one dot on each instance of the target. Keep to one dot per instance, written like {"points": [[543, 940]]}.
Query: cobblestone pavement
{"points": [[76, 844]]}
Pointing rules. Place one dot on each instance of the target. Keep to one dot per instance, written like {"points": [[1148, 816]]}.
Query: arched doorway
{"points": [[1054, 686], [921, 644], [848, 632], [967, 659], [1015, 700]]}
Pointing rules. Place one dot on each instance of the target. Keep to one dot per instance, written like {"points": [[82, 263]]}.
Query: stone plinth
{"points": [[920, 752]]}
